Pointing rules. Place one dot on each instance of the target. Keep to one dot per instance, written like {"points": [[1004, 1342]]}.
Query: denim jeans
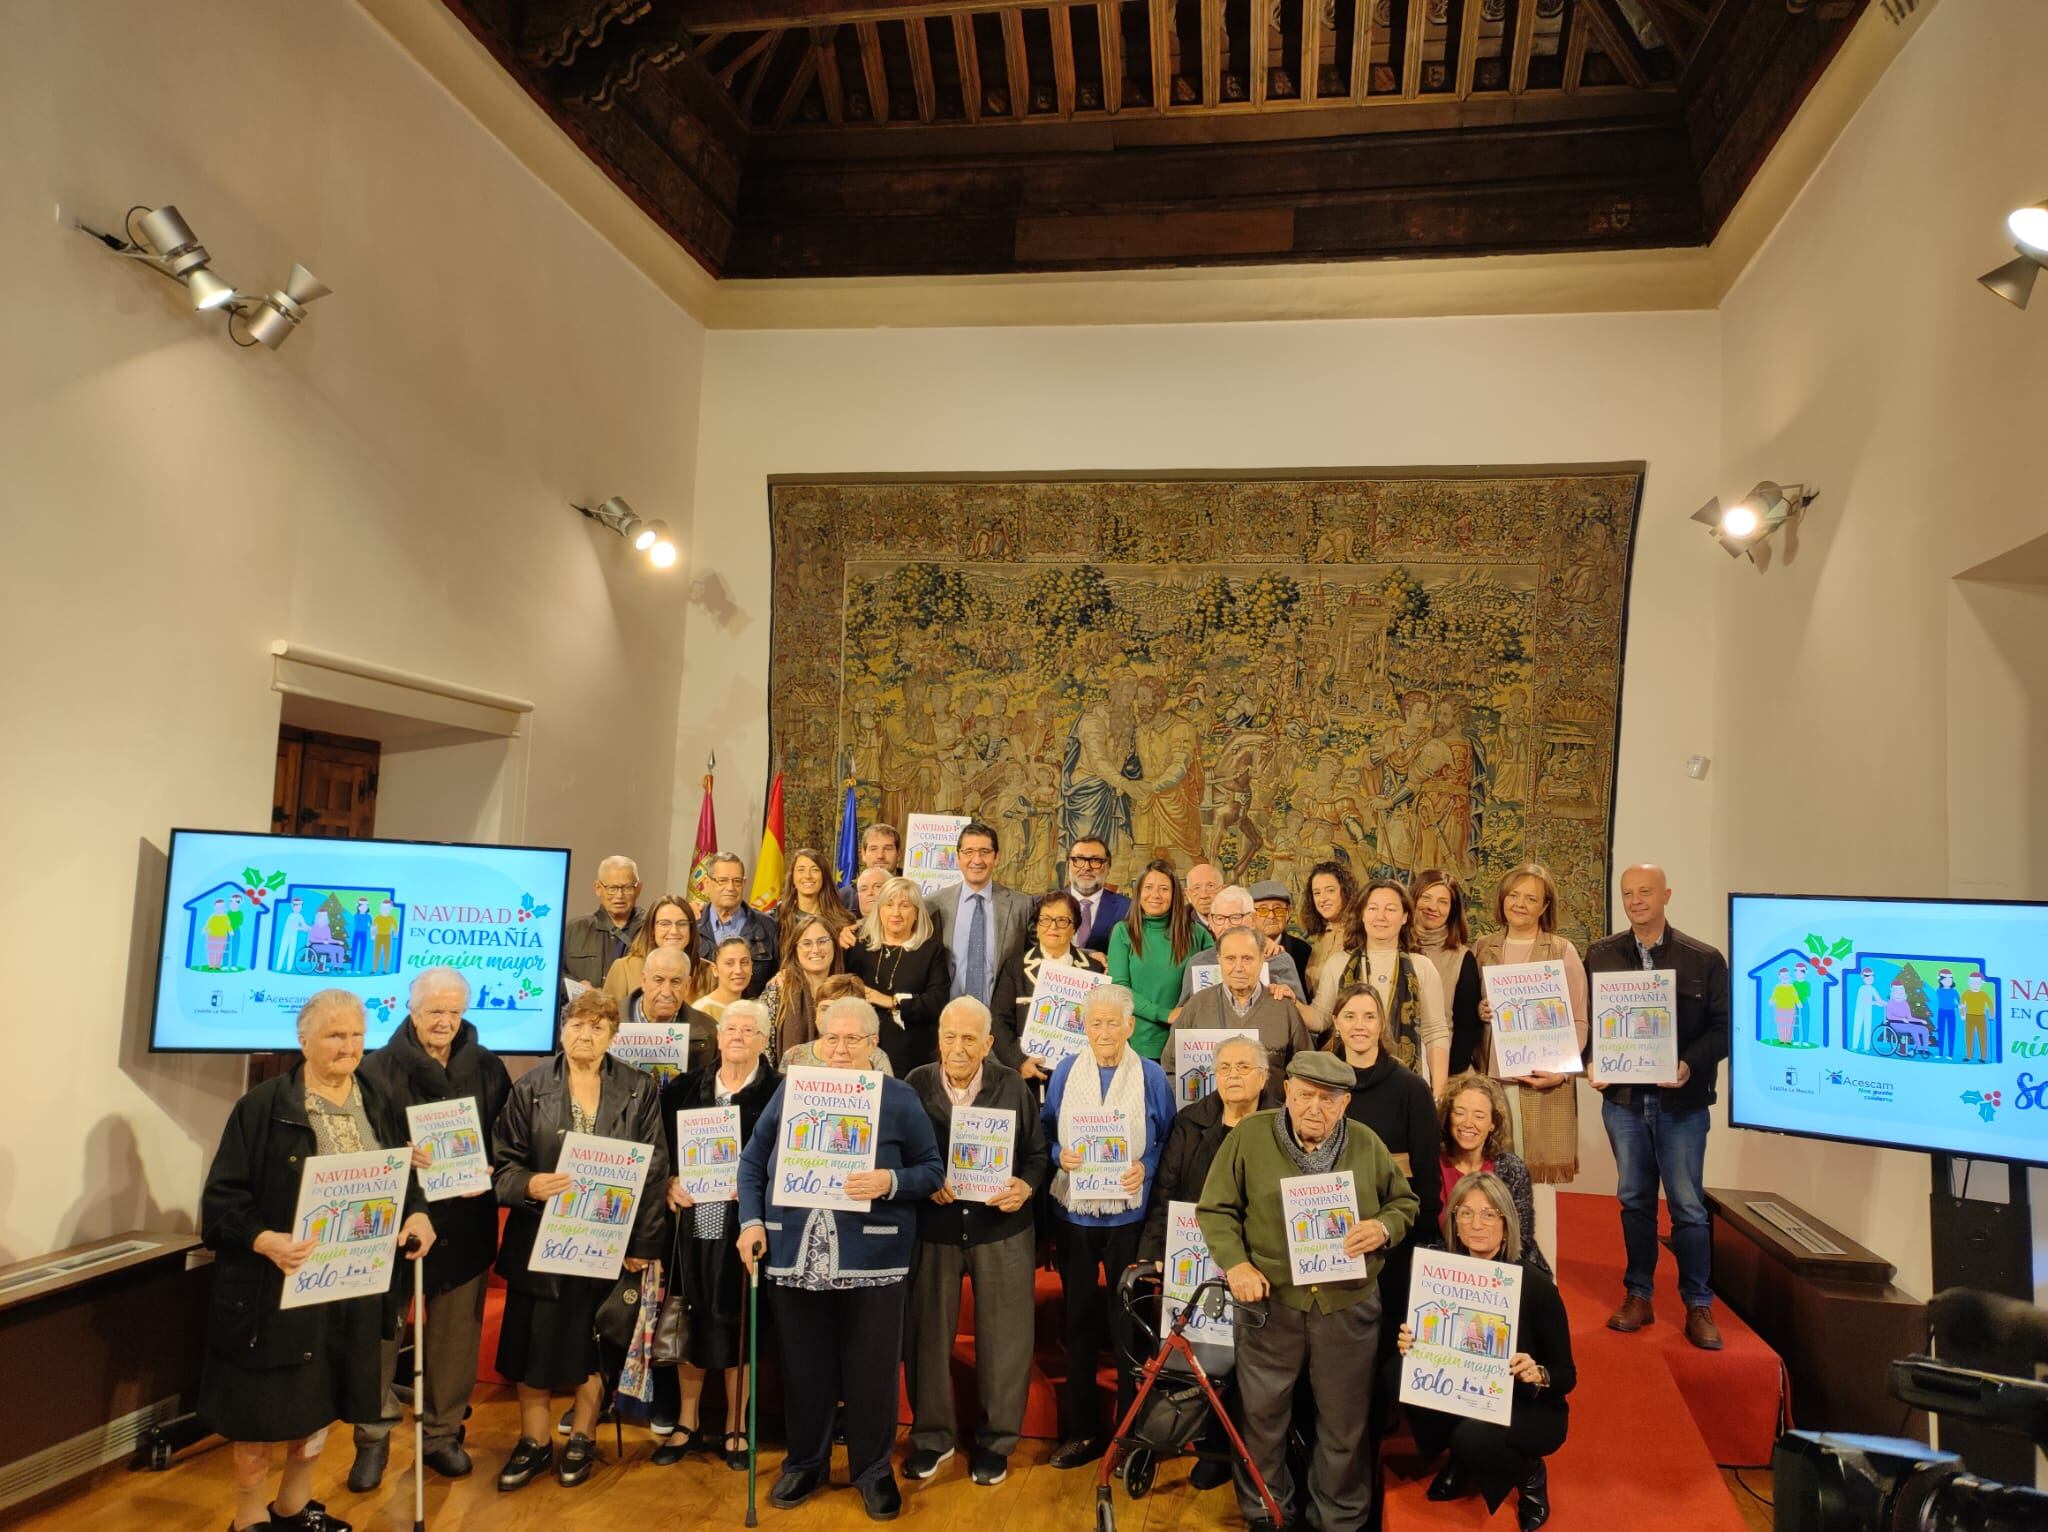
{"points": [[1653, 1142]]}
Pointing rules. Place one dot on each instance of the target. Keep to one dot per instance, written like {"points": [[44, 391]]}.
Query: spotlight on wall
{"points": [[2014, 281], [648, 537], [1747, 526], [163, 241]]}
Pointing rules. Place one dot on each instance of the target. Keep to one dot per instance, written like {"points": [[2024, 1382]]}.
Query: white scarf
{"points": [[1083, 1093]]}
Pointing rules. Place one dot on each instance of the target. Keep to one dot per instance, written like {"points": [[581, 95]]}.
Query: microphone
{"points": [[1968, 1322]]}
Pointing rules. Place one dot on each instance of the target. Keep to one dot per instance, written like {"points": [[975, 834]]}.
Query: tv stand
{"points": [[1988, 1246]]}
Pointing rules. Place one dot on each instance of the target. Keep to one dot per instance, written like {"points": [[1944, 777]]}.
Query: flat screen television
{"points": [[1906, 1023], [254, 924]]}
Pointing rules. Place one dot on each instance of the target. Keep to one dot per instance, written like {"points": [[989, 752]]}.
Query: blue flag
{"points": [[848, 855]]}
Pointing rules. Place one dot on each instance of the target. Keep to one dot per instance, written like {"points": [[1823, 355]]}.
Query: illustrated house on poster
{"points": [[699, 1152], [1764, 982], [240, 947], [453, 1143], [830, 1133], [1322, 1223], [598, 1202]]}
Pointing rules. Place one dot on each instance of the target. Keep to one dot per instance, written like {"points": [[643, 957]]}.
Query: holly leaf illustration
{"points": [[275, 880], [1815, 945], [250, 875], [1842, 948], [541, 909], [526, 901]]}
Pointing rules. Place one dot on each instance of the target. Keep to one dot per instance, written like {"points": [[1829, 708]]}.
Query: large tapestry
{"points": [[1397, 672]]}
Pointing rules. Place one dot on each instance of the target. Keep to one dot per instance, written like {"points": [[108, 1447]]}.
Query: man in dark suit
{"points": [[980, 921], [1102, 909]]}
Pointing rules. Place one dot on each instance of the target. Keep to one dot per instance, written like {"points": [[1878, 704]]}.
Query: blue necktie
{"points": [[975, 980]]}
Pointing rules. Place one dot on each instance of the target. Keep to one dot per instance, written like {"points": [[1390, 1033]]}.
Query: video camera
{"points": [[1839, 1482]]}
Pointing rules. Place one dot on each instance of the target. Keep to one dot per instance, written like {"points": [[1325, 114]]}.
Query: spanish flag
{"points": [[768, 867]]}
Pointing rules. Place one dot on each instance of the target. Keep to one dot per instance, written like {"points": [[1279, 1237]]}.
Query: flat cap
{"points": [[1322, 1069], [1270, 890]]}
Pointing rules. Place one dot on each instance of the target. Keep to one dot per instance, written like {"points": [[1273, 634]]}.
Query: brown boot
{"points": [[1701, 1330], [1633, 1314]]}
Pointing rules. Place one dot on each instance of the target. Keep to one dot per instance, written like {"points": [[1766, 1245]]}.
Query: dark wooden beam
{"points": [[1666, 16], [760, 74], [829, 88], [1256, 64], [1212, 51], [1622, 184], [1062, 57], [921, 68], [871, 69], [1617, 40], [1159, 21], [1362, 45], [730, 69], [1411, 55], [1468, 46], [799, 85], [1311, 48], [970, 64], [1109, 32], [740, 15], [1576, 31], [1523, 46], [1016, 64]]}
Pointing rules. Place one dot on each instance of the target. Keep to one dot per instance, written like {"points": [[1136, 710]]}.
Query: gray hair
{"points": [[321, 1001], [620, 861], [427, 980], [871, 923], [1258, 1050], [1234, 892], [745, 1010], [720, 858], [1118, 997], [967, 1005], [1495, 1191], [855, 1007]]}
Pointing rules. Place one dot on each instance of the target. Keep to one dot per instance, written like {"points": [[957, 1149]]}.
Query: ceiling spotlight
{"points": [[177, 248], [272, 320], [1746, 526], [208, 291], [2014, 281], [648, 537]]}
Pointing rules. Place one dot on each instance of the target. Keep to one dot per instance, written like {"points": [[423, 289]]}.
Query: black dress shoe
{"points": [[367, 1472], [528, 1462], [793, 1488], [1079, 1452], [578, 1458], [311, 1517], [449, 1460], [1208, 1473], [884, 1501], [736, 1451], [674, 1452], [1532, 1507], [1449, 1483], [924, 1462]]}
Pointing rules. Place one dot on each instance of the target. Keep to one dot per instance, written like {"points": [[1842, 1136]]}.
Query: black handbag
{"points": [[672, 1322], [619, 1314]]}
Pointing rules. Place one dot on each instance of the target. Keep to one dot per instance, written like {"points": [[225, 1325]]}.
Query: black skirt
{"points": [[550, 1343], [342, 1379], [714, 1289]]}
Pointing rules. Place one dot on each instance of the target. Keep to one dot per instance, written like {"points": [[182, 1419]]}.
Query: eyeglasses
{"points": [[1238, 1069], [721, 882], [1057, 922], [618, 888], [1479, 1215], [1088, 861]]}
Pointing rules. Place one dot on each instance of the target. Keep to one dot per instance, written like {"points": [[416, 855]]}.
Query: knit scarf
{"points": [[1318, 1161], [1083, 1093]]}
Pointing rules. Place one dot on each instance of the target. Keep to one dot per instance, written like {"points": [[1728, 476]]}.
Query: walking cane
{"points": [[753, 1384], [419, 1388]]}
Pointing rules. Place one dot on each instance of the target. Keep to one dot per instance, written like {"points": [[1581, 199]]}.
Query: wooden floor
{"points": [[196, 1493]]}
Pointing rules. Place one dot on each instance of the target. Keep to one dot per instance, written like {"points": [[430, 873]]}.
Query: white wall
{"points": [[393, 486], [1858, 353], [1370, 393]]}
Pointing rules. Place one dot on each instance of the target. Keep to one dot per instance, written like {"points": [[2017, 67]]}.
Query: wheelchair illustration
{"points": [[1905, 1040]]}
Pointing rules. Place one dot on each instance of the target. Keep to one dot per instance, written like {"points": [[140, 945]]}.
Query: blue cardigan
{"points": [[876, 1243]]}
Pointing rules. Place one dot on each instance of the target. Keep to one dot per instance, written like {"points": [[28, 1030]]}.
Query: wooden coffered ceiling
{"points": [[804, 138]]}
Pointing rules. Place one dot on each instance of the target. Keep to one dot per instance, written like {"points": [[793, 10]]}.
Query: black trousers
{"points": [[1083, 1251], [1497, 1458], [843, 1344]]}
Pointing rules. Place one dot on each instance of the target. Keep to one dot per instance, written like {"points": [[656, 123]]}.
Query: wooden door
{"points": [[326, 785]]}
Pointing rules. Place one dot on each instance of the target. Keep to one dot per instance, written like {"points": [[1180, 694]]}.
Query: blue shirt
{"points": [[726, 930], [963, 922], [1159, 1110]]}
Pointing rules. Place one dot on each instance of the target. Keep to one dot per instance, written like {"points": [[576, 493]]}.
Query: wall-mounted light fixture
{"points": [[648, 537], [2014, 281], [164, 242], [1747, 526]]}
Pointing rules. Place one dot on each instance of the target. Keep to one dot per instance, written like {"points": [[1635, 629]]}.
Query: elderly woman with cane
{"points": [[275, 1374], [839, 1277]]}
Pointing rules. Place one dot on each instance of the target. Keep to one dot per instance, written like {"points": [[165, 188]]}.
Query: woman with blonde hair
{"points": [[1544, 1108], [907, 971]]}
